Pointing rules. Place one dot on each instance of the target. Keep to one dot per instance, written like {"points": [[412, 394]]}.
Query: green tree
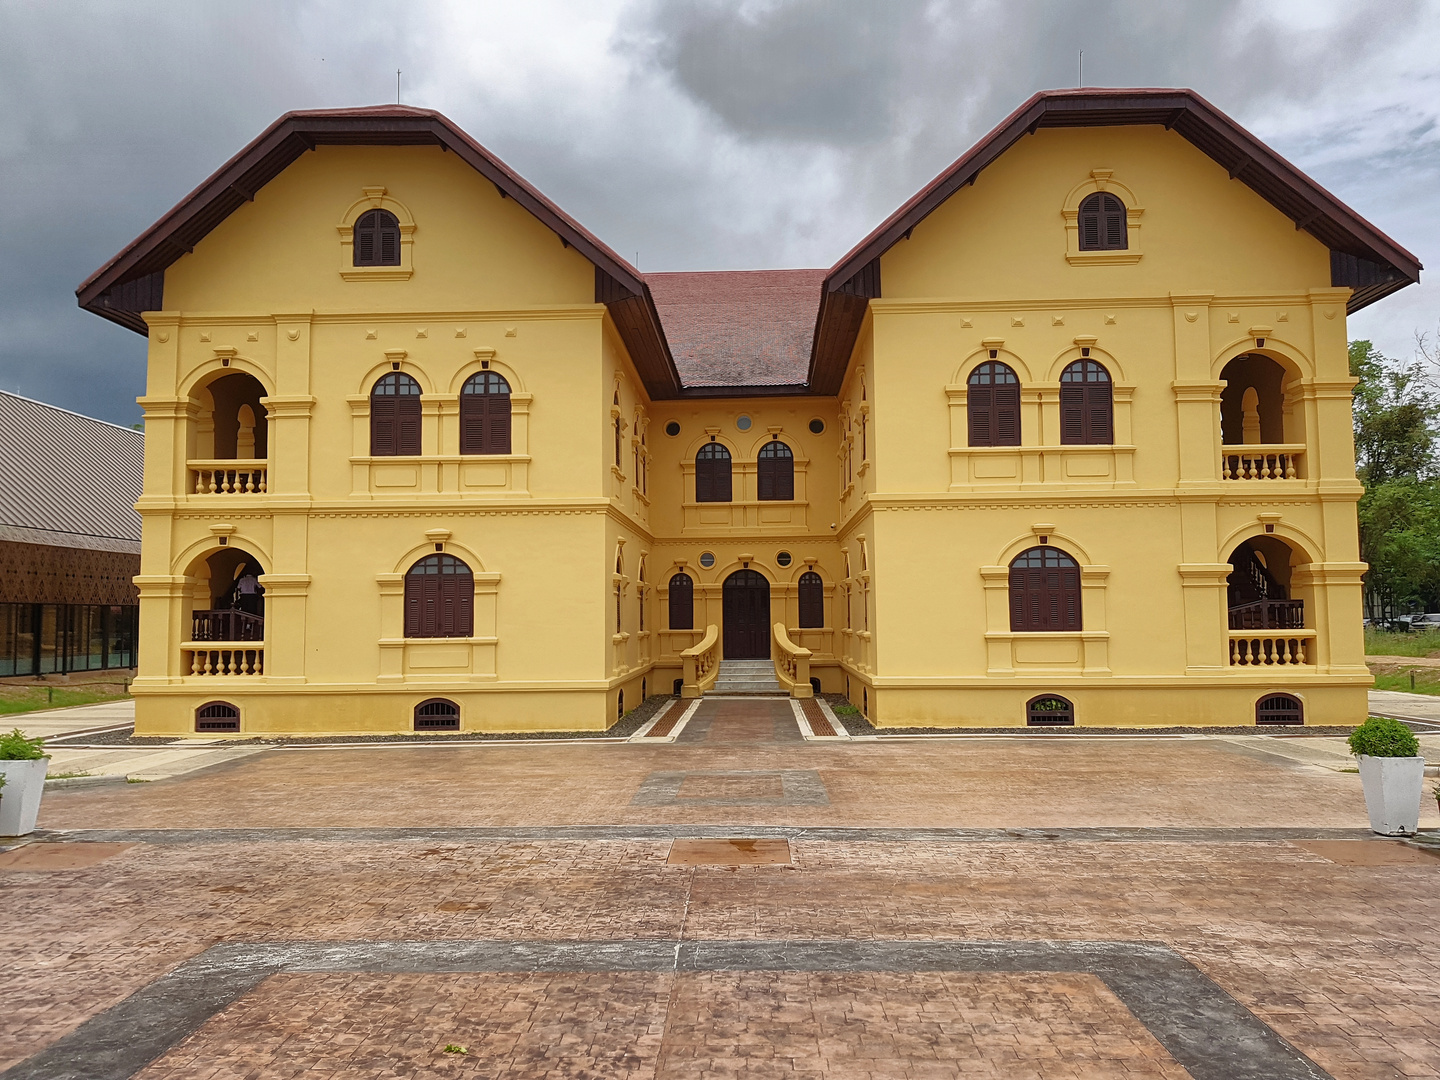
{"points": [[1396, 412]]}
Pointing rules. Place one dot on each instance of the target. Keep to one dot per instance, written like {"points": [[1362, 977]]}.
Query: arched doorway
{"points": [[747, 616], [1258, 588], [229, 600]]}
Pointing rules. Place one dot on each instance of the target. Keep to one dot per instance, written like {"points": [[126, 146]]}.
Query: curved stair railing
{"points": [[701, 664], [792, 664]]}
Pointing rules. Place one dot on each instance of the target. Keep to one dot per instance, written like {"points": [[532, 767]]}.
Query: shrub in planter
{"points": [[1393, 774], [22, 769]]}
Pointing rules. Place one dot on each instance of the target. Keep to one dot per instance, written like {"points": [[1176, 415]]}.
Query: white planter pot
{"points": [[1392, 793], [20, 797]]}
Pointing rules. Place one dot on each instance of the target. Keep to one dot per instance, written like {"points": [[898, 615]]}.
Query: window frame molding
{"points": [[421, 660], [376, 198], [1101, 180]]}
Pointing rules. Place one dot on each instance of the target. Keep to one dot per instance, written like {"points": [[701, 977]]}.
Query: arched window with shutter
{"points": [[1087, 405], [775, 472], [682, 602], [993, 401], [1044, 590], [812, 600], [439, 598], [712, 473], [395, 416], [1102, 223], [377, 239], [485, 414]]}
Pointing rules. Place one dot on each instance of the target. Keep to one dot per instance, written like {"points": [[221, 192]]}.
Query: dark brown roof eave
{"points": [[133, 280], [749, 390], [1383, 265]]}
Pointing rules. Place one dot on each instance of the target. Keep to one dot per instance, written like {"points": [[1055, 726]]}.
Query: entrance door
{"points": [[747, 616]]}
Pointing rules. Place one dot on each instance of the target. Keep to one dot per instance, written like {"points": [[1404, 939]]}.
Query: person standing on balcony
{"points": [[248, 592]]}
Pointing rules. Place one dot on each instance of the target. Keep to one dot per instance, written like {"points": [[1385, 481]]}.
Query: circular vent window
{"points": [[783, 558], [672, 428], [707, 559], [817, 426], [743, 423]]}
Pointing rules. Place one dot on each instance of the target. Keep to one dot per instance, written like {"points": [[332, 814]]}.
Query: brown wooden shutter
{"points": [[1115, 238], [384, 410], [1070, 599], [682, 602], [1090, 239], [413, 605], [981, 400], [1019, 608], [723, 489], [712, 474], [389, 246], [1072, 413], [472, 423], [812, 600], [407, 424], [497, 417], [1007, 415], [1099, 413]]}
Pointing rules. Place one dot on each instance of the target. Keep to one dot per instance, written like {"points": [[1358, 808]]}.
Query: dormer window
{"points": [[1102, 223], [377, 239]]}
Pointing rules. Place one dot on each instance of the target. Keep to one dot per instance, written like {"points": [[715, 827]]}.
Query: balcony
{"points": [[237, 476], [1274, 461], [1268, 615], [1270, 633], [219, 661]]}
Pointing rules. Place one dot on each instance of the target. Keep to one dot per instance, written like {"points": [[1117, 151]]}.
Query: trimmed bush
{"points": [[1382, 737], [16, 747]]}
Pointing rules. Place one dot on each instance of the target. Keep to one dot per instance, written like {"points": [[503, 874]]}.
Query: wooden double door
{"points": [[746, 606]]}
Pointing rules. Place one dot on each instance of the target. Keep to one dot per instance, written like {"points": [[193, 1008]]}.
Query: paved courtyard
{"points": [[737, 902]]}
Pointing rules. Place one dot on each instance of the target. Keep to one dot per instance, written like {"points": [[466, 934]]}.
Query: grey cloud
{"points": [[703, 134]]}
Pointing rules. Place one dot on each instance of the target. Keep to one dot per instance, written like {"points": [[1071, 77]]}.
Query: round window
{"points": [[783, 558], [743, 423], [707, 559], [817, 426], [672, 428]]}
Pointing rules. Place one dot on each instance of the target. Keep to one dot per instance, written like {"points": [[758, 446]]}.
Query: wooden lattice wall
{"points": [[41, 574]]}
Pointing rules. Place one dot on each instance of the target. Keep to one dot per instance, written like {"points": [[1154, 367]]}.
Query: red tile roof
{"points": [[739, 327]]}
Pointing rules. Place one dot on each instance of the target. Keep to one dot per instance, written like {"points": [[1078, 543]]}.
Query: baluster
{"points": [[1265, 472], [1289, 466], [264, 481], [249, 482], [1253, 472], [210, 480]]}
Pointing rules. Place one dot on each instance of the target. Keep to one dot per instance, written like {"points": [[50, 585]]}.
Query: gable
{"points": [[1200, 231], [472, 249]]}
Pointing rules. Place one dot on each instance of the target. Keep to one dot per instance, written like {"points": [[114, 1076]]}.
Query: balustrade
{"points": [[792, 664], [222, 662], [226, 625], [230, 477], [1282, 649], [1268, 615], [1275, 461], [701, 664]]}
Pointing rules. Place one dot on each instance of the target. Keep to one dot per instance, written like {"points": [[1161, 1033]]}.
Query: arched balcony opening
{"points": [[230, 440], [1262, 441], [1266, 608], [227, 617]]}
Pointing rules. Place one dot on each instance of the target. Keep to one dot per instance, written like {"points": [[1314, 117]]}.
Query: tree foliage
{"points": [[1396, 413]]}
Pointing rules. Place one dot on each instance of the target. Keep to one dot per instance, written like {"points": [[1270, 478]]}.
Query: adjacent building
{"points": [[69, 541], [1066, 439]]}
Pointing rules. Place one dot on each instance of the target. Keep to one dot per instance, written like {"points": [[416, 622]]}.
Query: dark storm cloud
{"points": [[702, 134]]}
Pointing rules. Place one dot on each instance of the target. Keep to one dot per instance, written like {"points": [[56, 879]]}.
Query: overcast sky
{"points": [[700, 134]]}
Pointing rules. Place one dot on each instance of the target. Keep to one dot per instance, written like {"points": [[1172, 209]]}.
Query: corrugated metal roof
{"points": [[67, 479]]}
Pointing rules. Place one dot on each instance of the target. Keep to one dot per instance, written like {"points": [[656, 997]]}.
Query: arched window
{"points": [[1044, 591], [377, 239], [217, 716], [775, 472], [682, 602], [1049, 710], [437, 714], [485, 414], [993, 400], [395, 416], [1102, 223], [812, 600], [439, 598], [1279, 709], [1087, 405], [712, 473]]}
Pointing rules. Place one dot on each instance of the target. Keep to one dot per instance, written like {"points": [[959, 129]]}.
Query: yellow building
{"points": [[1066, 439]]}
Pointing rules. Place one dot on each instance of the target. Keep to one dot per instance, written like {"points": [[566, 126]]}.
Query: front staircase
{"points": [[751, 678]]}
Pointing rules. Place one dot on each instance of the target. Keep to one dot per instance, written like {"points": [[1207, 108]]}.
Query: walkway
{"points": [[738, 902]]}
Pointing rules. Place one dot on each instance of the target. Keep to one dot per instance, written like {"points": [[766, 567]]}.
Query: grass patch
{"points": [[1385, 643], [65, 775], [23, 699], [1427, 681]]}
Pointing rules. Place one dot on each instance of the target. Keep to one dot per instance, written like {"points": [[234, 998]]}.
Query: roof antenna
{"points": [[1082, 69], [397, 86]]}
